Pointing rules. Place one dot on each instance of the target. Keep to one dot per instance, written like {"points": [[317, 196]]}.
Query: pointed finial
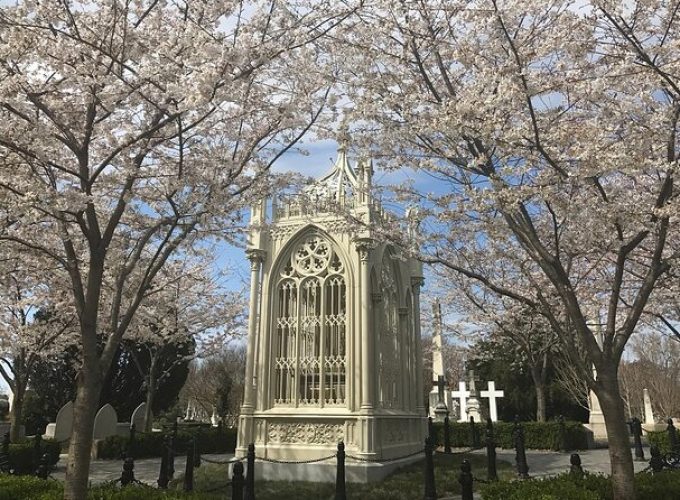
{"points": [[343, 136]]}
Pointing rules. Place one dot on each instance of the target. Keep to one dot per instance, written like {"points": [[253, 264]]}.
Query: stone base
{"points": [[325, 472]]}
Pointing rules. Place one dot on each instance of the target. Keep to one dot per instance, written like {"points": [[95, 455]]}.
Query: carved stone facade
{"points": [[334, 330]]}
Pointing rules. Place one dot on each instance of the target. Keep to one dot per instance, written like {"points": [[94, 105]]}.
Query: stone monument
{"points": [[440, 402], [473, 404], [333, 350]]}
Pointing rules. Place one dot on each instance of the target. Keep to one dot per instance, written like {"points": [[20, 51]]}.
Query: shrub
{"points": [[664, 486], [21, 455], [208, 439], [28, 487], [538, 435], [660, 439]]}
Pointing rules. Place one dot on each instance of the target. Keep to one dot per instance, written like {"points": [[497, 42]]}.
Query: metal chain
{"points": [[222, 462], [457, 452], [272, 460], [383, 460]]}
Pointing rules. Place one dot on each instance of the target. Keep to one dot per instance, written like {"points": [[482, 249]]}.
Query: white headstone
{"points": [[461, 395], [63, 425], [492, 394], [105, 422], [649, 413], [138, 417]]}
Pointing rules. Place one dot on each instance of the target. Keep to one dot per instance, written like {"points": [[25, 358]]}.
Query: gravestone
{"points": [[437, 398], [62, 427], [492, 394], [105, 422], [137, 418], [473, 405], [461, 394]]}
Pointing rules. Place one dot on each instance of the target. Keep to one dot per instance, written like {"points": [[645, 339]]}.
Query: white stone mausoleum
{"points": [[334, 332]]}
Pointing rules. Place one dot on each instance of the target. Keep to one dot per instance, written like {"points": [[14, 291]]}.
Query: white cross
{"points": [[461, 394], [492, 394]]}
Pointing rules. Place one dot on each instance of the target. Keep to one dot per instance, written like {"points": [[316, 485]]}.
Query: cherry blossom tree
{"points": [[34, 324], [131, 129], [551, 131]]}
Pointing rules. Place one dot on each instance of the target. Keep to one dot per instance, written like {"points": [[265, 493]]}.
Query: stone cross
{"points": [[461, 395], [491, 393]]}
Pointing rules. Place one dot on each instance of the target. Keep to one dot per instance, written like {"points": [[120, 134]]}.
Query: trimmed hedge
{"points": [[21, 457], [538, 435], [28, 487], [663, 486], [660, 439], [147, 445]]}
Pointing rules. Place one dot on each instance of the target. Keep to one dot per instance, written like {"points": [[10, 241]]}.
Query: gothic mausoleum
{"points": [[334, 334]]}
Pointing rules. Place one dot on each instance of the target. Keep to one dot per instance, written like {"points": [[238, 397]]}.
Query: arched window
{"points": [[310, 335], [389, 362]]}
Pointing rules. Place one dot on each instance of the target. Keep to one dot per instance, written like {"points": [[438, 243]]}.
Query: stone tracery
{"points": [[311, 307]]}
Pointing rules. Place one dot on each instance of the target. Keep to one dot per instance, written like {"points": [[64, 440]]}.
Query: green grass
{"points": [[404, 484]]}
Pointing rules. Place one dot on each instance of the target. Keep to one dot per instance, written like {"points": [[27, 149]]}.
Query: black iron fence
{"points": [[244, 487]]}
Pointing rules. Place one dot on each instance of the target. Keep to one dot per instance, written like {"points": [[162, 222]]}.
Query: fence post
{"points": [[189, 470], [43, 470], [491, 473], [430, 428], [340, 491], [237, 481], [656, 462], [128, 474], [474, 437], [465, 479], [562, 433], [673, 436], [197, 452], [131, 442], [447, 435], [576, 470], [171, 457], [163, 478], [520, 452], [4, 454], [249, 491], [36, 451], [430, 487], [637, 439]]}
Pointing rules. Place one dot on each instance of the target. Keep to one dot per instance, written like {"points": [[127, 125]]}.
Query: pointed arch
{"points": [[310, 321]]}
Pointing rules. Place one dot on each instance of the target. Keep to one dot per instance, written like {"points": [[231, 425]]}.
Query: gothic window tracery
{"points": [[310, 362], [389, 337]]}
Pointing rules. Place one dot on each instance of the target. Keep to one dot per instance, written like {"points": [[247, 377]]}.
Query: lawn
{"points": [[405, 484]]}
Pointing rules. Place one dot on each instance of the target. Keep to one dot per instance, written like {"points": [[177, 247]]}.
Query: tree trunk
{"points": [[150, 396], [540, 402], [80, 447], [607, 391], [537, 375], [15, 414]]}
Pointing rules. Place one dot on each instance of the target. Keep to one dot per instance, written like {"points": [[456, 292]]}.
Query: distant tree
{"points": [[499, 360]]}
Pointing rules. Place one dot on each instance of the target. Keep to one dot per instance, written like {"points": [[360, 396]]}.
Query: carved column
{"points": [[416, 283], [403, 358], [256, 258], [367, 365]]}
